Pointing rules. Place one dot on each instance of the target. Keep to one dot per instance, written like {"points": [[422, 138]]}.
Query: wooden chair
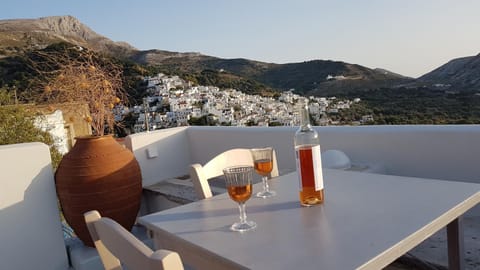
{"points": [[117, 246], [234, 157]]}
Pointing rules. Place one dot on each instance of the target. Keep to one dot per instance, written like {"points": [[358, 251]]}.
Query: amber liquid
{"points": [[308, 195], [240, 194], [263, 166]]}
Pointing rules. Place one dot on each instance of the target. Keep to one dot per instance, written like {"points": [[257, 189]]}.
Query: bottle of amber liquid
{"points": [[309, 162]]}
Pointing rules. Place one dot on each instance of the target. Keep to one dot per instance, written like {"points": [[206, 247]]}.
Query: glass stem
{"points": [[243, 214], [266, 188]]}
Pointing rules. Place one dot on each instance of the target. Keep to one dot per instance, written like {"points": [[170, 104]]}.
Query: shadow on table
{"points": [[272, 207]]}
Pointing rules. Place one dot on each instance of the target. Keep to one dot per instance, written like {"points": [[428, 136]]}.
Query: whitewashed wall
{"points": [[162, 154], [30, 230], [55, 125], [442, 152]]}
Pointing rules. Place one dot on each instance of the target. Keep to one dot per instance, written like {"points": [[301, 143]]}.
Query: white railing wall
{"points": [[440, 152], [31, 234], [162, 154]]}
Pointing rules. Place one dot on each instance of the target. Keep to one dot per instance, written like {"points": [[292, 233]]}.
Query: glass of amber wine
{"points": [[238, 180], [263, 162]]}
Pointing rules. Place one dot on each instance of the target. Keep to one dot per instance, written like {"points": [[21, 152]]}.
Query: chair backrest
{"points": [[117, 246], [234, 157]]}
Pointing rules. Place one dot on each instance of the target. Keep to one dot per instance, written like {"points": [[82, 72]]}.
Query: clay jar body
{"points": [[98, 174]]}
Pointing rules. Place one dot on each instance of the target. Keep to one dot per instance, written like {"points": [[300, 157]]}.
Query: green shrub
{"points": [[17, 127]]}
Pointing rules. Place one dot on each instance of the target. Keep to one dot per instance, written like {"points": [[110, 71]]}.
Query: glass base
{"points": [[266, 194], [242, 227]]}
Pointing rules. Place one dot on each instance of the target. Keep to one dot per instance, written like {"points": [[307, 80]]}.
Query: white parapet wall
{"points": [[30, 230], [162, 154], [440, 152]]}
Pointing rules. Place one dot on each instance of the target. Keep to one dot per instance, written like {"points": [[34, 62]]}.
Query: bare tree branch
{"points": [[70, 76]]}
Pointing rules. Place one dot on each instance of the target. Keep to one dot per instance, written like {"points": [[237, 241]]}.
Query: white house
{"points": [[54, 125]]}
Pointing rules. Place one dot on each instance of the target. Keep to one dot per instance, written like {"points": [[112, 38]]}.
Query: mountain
{"points": [[326, 77], [26, 34], [461, 73], [316, 77]]}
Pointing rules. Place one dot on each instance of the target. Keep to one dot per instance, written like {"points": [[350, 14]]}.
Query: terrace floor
{"points": [[434, 249]]}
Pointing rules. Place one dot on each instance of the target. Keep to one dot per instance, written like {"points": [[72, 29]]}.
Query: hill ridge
{"points": [[461, 73], [307, 77]]}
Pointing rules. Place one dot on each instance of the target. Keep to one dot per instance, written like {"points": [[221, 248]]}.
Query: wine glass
{"points": [[238, 180], [263, 162]]}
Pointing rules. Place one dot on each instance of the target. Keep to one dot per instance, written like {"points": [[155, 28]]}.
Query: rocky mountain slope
{"points": [[461, 73], [25, 34]]}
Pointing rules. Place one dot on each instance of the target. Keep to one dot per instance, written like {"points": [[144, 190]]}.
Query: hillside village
{"points": [[172, 102]]}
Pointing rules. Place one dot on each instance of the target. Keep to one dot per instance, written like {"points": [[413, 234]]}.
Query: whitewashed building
{"points": [[55, 126]]}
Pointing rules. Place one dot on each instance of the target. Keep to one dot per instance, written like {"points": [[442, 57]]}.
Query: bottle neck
{"points": [[305, 124]]}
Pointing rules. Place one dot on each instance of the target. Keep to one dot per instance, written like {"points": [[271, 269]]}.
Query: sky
{"points": [[405, 36]]}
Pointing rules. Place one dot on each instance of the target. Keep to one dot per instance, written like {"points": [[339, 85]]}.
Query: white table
{"points": [[366, 222]]}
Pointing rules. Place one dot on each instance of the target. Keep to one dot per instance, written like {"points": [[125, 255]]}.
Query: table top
{"points": [[366, 222]]}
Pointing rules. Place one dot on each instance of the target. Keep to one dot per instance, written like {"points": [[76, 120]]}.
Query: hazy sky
{"points": [[405, 36]]}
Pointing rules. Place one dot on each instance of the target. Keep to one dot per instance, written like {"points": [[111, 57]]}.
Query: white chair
{"points": [[234, 157], [117, 246]]}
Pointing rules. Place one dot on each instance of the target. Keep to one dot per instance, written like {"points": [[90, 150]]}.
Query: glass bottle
{"points": [[309, 162]]}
